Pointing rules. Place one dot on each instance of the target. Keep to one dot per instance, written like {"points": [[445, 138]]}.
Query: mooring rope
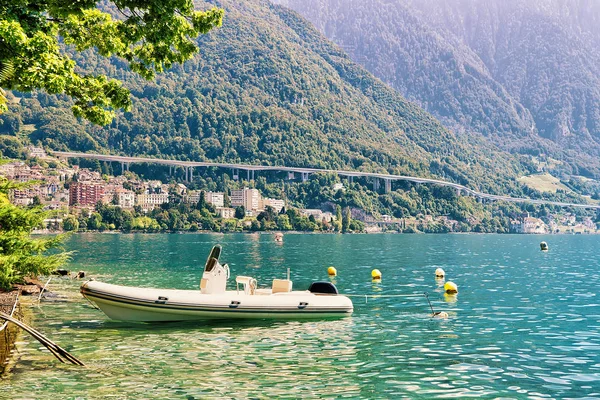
{"points": [[366, 296], [44, 288], [383, 295]]}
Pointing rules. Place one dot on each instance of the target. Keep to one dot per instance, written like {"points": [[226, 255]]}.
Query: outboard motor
{"points": [[323, 288], [214, 278]]}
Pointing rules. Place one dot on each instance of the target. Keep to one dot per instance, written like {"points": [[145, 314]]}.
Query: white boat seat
{"points": [[281, 286], [248, 283]]}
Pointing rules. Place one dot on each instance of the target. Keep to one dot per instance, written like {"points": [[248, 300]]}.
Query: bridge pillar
{"points": [[375, 184], [170, 170], [252, 174], [458, 192], [388, 185], [305, 176], [350, 179], [191, 174], [248, 175], [291, 175], [236, 174]]}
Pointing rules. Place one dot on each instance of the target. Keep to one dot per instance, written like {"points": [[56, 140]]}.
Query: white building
{"points": [[277, 204], [20, 197], [217, 199], [529, 225], [192, 197], [226, 212], [317, 214], [250, 199], [149, 201], [126, 198]]}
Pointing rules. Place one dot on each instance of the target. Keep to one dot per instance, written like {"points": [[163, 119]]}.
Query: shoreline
{"points": [[9, 301], [48, 232]]}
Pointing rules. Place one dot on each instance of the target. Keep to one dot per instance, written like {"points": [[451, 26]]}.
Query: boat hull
{"points": [[147, 305]]}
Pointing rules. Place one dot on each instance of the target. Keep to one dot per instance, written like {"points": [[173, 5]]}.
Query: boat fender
{"points": [[234, 304], [331, 271], [161, 300], [376, 274], [450, 288], [439, 273], [302, 305]]}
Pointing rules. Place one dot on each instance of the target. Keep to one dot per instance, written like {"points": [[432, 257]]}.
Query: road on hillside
{"points": [[387, 178]]}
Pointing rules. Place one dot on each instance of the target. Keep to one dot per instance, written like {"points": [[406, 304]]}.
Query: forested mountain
{"points": [[523, 73], [269, 88]]}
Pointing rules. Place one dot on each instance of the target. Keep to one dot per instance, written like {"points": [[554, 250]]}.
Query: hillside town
{"points": [[69, 190]]}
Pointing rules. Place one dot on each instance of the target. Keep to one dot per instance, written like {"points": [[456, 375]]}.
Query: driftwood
{"points": [[55, 349]]}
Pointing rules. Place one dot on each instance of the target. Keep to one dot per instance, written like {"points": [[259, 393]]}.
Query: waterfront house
{"points": [[226, 212]]}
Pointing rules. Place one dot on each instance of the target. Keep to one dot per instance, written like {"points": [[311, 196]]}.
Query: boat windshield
{"points": [[213, 258], [210, 264]]}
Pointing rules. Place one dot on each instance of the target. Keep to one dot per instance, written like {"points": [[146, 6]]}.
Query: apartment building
{"points": [[85, 194], [250, 199], [277, 204]]}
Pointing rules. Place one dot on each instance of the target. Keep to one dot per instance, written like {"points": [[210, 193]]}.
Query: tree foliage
{"points": [[20, 254], [151, 36]]}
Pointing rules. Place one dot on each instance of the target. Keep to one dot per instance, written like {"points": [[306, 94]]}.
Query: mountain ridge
{"points": [[512, 72]]}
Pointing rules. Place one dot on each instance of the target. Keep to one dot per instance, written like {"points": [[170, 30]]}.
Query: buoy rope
{"points": [[383, 295], [44, 288]]}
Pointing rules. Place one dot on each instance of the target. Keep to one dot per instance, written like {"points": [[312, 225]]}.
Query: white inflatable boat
{"points": [[213, 301]]}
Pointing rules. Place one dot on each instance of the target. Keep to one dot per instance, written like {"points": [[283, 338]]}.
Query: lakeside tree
{"points": [[150, 36], [240, 212], [347, 217], [20, 254], [338, 218]]}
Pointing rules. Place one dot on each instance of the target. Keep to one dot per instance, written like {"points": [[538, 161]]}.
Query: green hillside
{"points": [[268, 88], [524, 74]]}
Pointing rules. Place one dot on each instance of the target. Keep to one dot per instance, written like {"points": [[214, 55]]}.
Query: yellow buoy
{"points": [[376, 274], [450, 298], [439, 273], [450, 288], [544, 246], [331, 271]]}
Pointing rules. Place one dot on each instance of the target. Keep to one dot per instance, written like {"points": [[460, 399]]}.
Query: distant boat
{"points": [[213, 301]]}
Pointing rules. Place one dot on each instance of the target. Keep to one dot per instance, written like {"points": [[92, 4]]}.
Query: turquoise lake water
{"points": [[525, 324]]}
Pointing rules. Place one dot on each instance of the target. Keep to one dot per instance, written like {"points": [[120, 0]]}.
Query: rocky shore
{"points": [[8, 334]]}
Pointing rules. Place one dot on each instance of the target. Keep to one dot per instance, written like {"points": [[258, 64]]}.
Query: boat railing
{"points": [[248, 284]]}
